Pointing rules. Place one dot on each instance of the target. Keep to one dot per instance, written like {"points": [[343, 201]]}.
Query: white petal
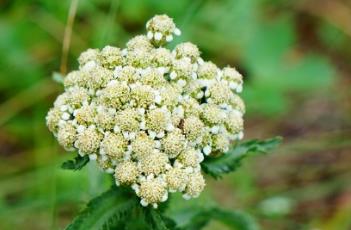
{"points": [[104, 158], [169, 38], [188, 170], [215, 129], [65, 116], [173, 75], [194, 76], [92, 157], [233, 85], [111, 83], [161, 70], [186, 196], [152, 134], [164, 197], [142, 125], [102, 151], [181, 82], [158, 99], [160, 134], [85, 103], [126, 135], [200, 61], [80, 128], [169, 127], [89, 65], [135, 187], [157, 144], [64, 108], [141, 111], [124, 52], [177, 32], [200, 157], [150, 35], [116, 129], [158, 36], [199, 95], [207, 150], [132, 136], [239, 89]]}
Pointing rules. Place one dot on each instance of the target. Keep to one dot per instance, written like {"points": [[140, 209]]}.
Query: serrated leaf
{"points": [[76, 164], [231, 160], [108, 211], [198, 220], [157, 221], [234, 219]]}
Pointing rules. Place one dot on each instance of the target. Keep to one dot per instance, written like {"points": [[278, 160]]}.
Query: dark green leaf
{"points": [[76, 164], [234, 219], [157, 221], [120, 209], [108, 211], [198, 220], [230, 161]]}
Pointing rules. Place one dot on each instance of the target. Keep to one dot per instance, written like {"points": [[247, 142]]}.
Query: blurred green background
{"points": [[296, 60]]}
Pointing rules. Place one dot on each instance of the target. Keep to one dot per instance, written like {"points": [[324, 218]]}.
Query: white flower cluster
{"points": [[149, 115]]}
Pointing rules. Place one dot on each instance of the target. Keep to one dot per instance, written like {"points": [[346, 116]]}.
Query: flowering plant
{"points": [[155, 119]]}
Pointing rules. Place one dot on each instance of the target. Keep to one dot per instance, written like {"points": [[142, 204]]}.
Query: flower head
{"points": [[67, 135], [160, 29], [88, 141], [195, 185], [142, 146], [176, 179], [110, 57], [154, 164], [149, 115], [126, 173], [207, 70], [88, 56], [113, 145], [152, 191], [187, 49]]}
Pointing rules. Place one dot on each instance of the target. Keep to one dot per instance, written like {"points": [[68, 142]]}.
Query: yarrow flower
{"points": [[150, 115]]}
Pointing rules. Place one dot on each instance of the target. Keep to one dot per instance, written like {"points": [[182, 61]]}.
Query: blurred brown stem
{"points": [[335, 12], [68, 35]]}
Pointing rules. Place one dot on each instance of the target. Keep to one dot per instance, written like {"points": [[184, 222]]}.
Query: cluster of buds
{"points": [[150, 115]]}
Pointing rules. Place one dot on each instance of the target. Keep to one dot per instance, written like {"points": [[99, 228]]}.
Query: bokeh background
{"points": [[296, 60]]}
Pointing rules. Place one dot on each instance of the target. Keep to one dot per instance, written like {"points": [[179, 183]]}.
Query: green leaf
{"points": [[230, 161], [234, 219], [157, 221], [76, 164], [198, 220], [108, 211], [119, 208]]}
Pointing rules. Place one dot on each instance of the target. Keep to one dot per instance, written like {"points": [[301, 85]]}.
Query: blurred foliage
{"points": [[295, 57]]}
